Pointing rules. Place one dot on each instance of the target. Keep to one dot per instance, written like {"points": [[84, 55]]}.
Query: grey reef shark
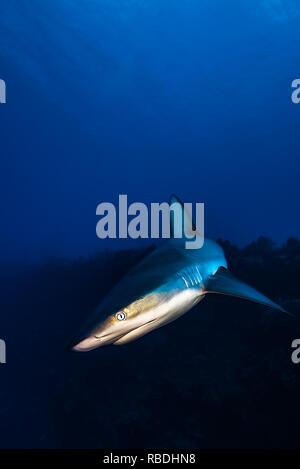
{"points": [[162, 287]]}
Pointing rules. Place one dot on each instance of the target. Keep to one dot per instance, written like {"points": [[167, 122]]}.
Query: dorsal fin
{"points": [[181, 221]]}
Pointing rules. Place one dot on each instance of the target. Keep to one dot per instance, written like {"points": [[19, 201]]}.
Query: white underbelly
{"points": [[179, 304], [165, 313]]}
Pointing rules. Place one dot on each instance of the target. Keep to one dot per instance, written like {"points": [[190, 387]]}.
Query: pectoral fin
{"points": [[225, 283]]}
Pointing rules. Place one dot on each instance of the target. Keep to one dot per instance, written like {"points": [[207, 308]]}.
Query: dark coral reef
{"points": [[219, 377]]}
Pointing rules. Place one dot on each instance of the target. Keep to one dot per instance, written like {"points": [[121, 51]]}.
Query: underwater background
{"points": [[147, 98]]}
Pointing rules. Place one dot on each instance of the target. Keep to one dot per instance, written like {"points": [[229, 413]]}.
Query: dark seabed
{"points": [[221, 376]]}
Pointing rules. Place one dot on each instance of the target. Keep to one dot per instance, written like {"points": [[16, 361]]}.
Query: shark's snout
{"points": [[92, 342], [85, 345]]}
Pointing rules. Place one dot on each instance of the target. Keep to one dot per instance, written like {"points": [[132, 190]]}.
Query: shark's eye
{"points": [[121, 315]]}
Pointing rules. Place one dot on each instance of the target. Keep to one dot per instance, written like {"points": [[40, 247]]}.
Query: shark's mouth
{"points": [[119, 338], [136, 333]]}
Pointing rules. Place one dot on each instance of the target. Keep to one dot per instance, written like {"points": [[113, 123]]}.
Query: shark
{"points": [[163, 286]]}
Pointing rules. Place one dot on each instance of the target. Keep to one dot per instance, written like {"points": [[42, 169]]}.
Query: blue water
{"points": [[147, 98]]}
